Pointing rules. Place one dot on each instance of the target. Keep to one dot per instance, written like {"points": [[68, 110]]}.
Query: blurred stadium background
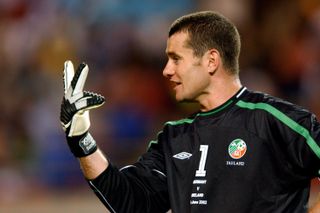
{"points": [[123, 41]]}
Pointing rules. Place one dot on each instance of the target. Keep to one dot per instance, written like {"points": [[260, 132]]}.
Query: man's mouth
{"points": [[175, 84]]}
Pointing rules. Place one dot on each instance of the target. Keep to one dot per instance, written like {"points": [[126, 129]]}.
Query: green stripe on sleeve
{"points": [[152, 142], [286, 120], [186, 120]]}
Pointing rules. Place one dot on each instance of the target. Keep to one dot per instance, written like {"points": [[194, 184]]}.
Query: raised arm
{"points": [[74, 117], [141, 187]]}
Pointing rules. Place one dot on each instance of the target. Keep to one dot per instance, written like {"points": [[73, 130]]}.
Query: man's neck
{"points": [[221, 92]]}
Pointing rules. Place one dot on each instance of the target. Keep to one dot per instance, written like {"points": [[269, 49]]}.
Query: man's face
{"points": [[188, 74]]}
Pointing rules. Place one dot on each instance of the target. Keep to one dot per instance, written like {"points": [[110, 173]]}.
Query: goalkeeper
{"points": [[243, 152]]}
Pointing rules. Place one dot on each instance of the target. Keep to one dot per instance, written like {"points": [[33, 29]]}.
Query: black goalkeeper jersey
{"points": [[255, 153]]}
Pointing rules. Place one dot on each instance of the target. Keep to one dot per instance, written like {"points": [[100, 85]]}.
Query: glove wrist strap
{"points": [[82, 145]]}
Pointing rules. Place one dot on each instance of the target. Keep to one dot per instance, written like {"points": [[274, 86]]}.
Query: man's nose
{"points": [[167, 71]]}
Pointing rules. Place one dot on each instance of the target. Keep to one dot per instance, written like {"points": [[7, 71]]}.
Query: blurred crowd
{"points": [[123, 42]]}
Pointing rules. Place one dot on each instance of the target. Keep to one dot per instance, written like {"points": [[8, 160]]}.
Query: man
{"points": [[243, 152]]}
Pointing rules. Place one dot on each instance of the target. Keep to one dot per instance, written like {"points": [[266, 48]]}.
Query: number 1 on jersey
{"points": [[201, 172]]}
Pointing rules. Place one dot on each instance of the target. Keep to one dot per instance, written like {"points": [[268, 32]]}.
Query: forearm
{"points": [[316, 207], [93, 165]]}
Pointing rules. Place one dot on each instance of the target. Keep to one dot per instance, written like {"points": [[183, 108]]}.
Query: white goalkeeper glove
{"points": [[74, 114]]}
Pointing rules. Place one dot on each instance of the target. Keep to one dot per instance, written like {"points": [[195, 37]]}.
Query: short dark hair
{"points": [[207, 30]]}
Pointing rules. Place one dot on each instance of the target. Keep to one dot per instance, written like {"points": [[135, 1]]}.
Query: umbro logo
{"points": [[182, 155]]}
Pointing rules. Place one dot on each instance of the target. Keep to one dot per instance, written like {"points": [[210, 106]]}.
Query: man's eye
{"points": [[175, 59]]}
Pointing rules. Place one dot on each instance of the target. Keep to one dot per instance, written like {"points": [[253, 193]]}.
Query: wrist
{"points": [[82, 145]]}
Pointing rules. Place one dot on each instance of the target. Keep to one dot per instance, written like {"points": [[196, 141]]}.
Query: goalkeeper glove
{"points": [[74, 113]]}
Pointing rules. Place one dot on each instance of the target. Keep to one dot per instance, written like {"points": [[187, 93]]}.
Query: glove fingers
{"points": [[67, 111], [95, 98], [79, 79], [89, 101], [68, 74], [95, 102]]}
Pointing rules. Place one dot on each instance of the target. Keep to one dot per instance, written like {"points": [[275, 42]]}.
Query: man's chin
{"points": [[179, 99]]}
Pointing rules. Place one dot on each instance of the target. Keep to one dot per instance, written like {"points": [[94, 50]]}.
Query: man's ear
{"points": [[214, 60]]}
